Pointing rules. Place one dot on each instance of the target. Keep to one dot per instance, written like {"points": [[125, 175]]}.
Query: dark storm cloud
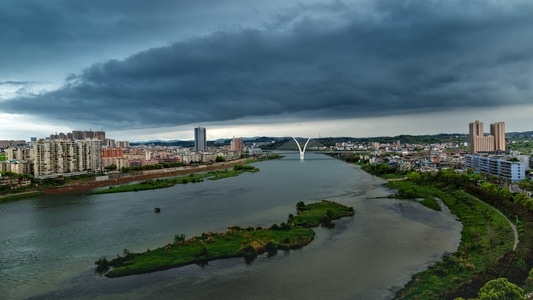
{"points": [[46, 36], [318, 61]]}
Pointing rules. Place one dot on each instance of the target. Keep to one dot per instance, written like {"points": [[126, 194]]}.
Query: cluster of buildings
{"points": [[487, 154], [483, 153], [81, 152]]}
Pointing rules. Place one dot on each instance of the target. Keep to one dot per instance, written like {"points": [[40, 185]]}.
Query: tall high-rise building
{"points": [[490, 143], [237, 144], [60, 157], [498, 131], [200, 140]]}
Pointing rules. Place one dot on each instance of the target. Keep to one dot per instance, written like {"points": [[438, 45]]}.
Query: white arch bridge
{"points": [[302, 152], [302, 148]]}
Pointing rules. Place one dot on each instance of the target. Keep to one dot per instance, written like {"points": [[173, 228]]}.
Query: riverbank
{"points": [[18, 196], [487, 242], [489, 247], [82, 187], [151, 184], [141, 176], [248, 242]]}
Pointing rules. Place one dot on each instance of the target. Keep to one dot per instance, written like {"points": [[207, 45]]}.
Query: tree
{"points": [[521, 199], [220, 159], [179, 238], [414, 176], [111, 167], [489, 187], [500, 288], [526, 185]]}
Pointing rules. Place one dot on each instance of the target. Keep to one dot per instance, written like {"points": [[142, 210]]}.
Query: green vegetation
{"points": [[18, 196], [151, 167], [500, 288], [21, 186], [269, 156], [486, 236], [485, 252], [234, 242], [12, 184], [151, 184], [3, 157], [320, 213], [382, 170]]}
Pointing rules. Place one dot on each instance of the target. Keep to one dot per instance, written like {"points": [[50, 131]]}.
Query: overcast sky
{"points": [[143, 70]]}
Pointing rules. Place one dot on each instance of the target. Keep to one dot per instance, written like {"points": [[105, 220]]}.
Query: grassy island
{"points": [[151, 184], [236, 241]]}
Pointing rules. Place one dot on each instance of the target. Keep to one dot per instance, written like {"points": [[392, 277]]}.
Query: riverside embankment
{"points": [[124, 178]]}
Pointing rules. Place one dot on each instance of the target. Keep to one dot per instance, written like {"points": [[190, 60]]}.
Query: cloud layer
{"points": [[322, 61]]}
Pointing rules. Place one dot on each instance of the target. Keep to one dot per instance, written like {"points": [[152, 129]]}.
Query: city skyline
{"points": [[69, 135], [144, 71]]}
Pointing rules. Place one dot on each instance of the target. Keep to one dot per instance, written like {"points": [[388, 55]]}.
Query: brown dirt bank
{"points": [[118, 179]]}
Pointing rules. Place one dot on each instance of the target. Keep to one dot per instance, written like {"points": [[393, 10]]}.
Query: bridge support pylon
{"points": [[302, 152]]}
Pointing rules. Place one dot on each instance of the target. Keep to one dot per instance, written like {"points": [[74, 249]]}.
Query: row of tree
{"points": [[151, 167]]}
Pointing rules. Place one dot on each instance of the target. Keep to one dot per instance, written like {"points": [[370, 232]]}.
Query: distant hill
{"points": [[184, 144], [519, 135], [269, 143]]}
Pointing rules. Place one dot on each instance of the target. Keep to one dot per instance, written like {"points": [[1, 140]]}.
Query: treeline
{"points": [[515, 204], [404, 139], [10, 174]]}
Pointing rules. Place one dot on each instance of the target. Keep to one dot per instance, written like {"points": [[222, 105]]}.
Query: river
{"points": [[48, 245]]}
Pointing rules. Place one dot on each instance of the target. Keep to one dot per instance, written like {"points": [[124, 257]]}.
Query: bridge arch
{"points": [[302, 152]]}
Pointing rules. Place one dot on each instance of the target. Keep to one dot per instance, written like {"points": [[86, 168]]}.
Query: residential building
{"points": [[8, 143], [513, 171], [237, 145], [63, 157], [122, 144], [18, 153], [498, 131], [479, 143]]}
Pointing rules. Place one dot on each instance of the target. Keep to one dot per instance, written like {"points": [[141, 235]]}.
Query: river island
{"points": [[246, 242]]}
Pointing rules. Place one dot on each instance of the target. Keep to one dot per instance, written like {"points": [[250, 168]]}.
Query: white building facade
{"points": [[514, 171]]}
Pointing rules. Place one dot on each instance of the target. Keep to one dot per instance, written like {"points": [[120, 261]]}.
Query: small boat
{"points": [[157, 209]]}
